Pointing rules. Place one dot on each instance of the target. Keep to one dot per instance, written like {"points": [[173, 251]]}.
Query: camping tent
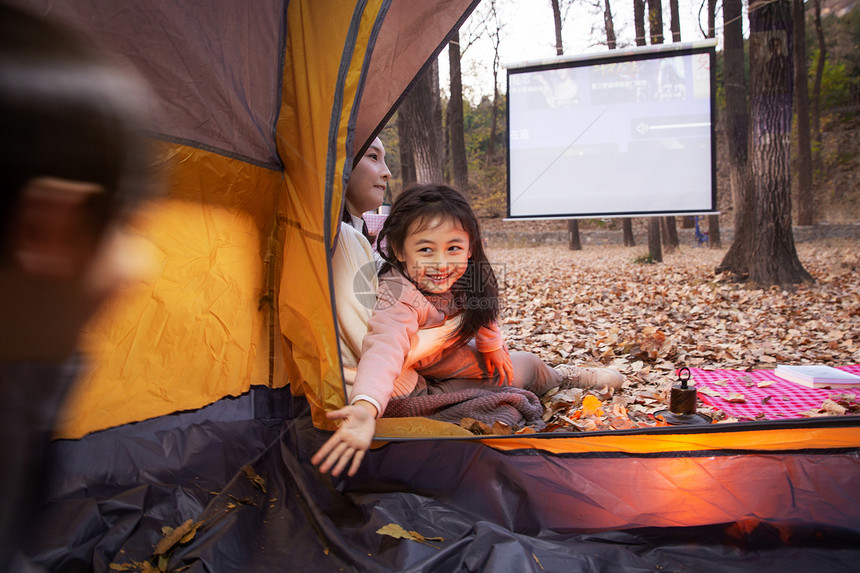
{"points": [[207, 384]]}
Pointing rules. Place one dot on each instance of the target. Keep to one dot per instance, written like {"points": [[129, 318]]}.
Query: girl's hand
{"points": [[350, 441], [500, 361]]}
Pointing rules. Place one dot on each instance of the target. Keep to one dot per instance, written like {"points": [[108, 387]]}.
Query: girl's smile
{"points": [[436, 255]]}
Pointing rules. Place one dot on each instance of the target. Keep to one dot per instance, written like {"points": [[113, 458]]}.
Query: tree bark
{"points": [[422, 122], [773, 257], [816, 86], [495, 35], [675, 20], [736, 259], [556, 18], [609, 26], [670, 234], [805, 200], [654, 247], [639, 22], [456, 135], [627, 232], [655, 21], [714, 239], [407, 165]]}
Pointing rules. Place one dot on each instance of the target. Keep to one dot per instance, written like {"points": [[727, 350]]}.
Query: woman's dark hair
{"points": [[476, 293], [67, 112]]}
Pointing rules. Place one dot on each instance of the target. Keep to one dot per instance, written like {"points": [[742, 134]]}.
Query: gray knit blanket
{"points": [[513, 406]]}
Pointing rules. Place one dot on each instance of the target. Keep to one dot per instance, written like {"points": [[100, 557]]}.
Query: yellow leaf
{"points": [[591, 406]]}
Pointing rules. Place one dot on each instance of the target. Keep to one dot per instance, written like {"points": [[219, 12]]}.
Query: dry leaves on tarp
{"points": [[258, 481], [394, 530]]}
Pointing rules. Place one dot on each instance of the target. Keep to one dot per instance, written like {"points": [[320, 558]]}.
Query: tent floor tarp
{"points": [[239, 470]]}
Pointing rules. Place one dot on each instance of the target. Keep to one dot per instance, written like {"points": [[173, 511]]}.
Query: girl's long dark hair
{"points": [[476, 293]]}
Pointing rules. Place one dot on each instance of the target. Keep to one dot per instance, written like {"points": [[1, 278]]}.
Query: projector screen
{"points": [[631, 134]]}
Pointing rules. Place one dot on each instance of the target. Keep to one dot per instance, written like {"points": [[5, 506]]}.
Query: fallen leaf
{"points": [[591, 406], [831, 406], [257, 480], [396, 531], [736, 398], [174, 537]]}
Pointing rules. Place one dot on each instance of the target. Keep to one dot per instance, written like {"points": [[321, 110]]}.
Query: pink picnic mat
{"points": [[786, 399]]}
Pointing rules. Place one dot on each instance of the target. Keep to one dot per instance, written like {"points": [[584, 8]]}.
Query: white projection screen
{"points": [[622, 135]]}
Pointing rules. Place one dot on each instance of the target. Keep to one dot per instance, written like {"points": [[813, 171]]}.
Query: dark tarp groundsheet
{"points": [[113, 491]]}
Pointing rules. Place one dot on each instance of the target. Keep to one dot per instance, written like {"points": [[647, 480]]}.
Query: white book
{"points": [[818, 376]]}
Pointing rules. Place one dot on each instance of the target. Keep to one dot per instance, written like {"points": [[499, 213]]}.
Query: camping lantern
{"points": [[682, 403]]}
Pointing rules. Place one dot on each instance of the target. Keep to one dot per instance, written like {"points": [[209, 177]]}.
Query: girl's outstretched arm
{"points": [[350, 441]]}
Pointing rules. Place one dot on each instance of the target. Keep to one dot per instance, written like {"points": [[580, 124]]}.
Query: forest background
{"points": [[836, 151], [601, 304]]}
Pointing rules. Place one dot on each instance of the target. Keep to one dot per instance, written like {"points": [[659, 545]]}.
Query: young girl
{"points": [[435, 269]]}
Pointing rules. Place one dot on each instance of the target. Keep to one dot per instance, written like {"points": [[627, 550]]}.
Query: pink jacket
{"points": [[401, 309]]}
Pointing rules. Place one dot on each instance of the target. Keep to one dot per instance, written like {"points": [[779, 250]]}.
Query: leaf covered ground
{"points": [[600, 307]]}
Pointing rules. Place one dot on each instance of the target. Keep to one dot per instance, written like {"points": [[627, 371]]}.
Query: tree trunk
{"points": [[736, 122], [456, 136], [421, 113], [712, 19], [556, 18], [491, 147], [654, 247], [773, 257], [655, 21], [611, 42], [639, 22], [714, 239], [805, 200], [670, 234], [573, 240], [407, 165], [655, 31], [675, 20], [627, 232], [609, 27], [816, 86]]}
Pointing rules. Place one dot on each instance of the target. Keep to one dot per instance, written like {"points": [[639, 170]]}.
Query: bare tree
{"points": [[675, 20], [420, 126], [770, 254], [456, 136], [714, 239], [407, 164], [737, 138], [609, 26], [574, 242], [639, 22], [805, 200], [655, 21], [816, 86], [494, 32]]}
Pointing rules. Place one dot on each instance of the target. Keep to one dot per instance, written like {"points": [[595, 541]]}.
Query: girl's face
{"points": [[436, 256], [366, 187]]}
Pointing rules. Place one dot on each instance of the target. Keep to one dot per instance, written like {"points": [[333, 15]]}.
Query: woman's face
{"points": [[366, 187]]}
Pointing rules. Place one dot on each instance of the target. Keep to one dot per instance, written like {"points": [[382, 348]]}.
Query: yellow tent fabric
{"points": [[242, 294]]}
